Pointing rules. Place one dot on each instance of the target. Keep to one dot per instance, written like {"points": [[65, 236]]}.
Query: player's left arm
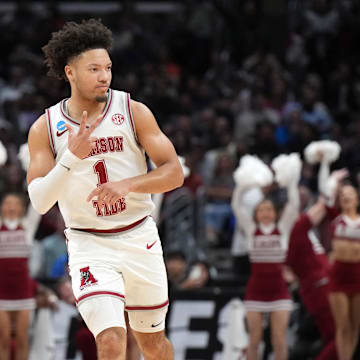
{"points": [[168, 174]]}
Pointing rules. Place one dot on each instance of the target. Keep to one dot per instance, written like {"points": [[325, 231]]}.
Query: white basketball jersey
{"points": [[116, 156]]}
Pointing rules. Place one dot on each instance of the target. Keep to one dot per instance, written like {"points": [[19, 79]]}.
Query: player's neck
{"points": [[76, 105]]}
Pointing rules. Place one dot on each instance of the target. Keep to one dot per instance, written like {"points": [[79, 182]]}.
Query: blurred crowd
{"points": [[223, 78]]}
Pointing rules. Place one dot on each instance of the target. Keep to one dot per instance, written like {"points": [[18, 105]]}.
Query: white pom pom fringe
{"points": [[186, 170], [287, 168], [253, 172], [24, 156], [3, 154], [323, 150]]}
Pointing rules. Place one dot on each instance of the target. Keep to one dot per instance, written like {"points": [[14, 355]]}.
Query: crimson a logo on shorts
{"points": [[118, 119], [86, 278]]}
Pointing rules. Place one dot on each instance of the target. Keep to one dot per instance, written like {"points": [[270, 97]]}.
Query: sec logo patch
{"points": [[118, 119]]}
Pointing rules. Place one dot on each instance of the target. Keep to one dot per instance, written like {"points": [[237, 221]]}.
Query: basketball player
{"points": [[88, 153], [308, 261], [266, 290], [16, 287]]}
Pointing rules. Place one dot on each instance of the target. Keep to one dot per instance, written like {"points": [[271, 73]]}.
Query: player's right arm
{"points": [[47, 179], [41, 156]]}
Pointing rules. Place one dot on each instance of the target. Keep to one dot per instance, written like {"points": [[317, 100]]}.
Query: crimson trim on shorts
{"points": [[113, 231], [99, 293], [77, 123], [154, 307], [52, 144], [131, 118]]}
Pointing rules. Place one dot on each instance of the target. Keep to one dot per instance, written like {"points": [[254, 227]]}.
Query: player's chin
{"points": [[101, 94], [101, 98]]}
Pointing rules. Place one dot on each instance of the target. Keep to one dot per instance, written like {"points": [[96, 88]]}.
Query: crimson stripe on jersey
{"points": [[108, 104], [154, 307], [52, 145], [100, 293], [112, 231], [131, 118], [67, 117]]}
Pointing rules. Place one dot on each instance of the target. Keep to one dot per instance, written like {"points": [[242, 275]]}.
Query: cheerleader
{"points": [[267, 233], [16, 286], [345, 272]]}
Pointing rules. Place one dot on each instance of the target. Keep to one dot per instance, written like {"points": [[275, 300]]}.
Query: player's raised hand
{"points": [[81, 143]]}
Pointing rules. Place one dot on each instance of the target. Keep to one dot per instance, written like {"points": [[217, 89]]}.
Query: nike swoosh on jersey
{"points": [[66, 167], [151, 245], [59, 133]]}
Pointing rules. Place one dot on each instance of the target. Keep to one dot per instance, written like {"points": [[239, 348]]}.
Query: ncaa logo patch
{"points": [[118, 119], [61, 128], [61, 125]]}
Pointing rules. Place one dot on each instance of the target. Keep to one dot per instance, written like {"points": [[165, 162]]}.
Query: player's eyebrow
{"points": [[93, 64]]}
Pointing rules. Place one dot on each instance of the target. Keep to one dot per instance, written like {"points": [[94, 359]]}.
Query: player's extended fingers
{"points": [[95, 124], [83, 122], [94, 193], [93, 140], [101, 195], [108, 199], [113, 200]]}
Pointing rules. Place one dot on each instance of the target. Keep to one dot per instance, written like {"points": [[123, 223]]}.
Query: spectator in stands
{"points": [[186, 276], [218, 197], [54, 248], [315, 112], [66, 322]]}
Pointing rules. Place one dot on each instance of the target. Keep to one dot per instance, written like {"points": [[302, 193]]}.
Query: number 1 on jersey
{"points": [[101, 171]]}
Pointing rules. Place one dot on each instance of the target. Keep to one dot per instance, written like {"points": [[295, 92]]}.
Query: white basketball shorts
{"points": [[117, 272]]}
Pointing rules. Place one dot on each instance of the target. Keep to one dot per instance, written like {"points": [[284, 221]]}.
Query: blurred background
{"points": [[224, 78]]}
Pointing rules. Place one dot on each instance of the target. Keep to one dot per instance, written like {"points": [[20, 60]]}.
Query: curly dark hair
{"points": [[72, 40]]}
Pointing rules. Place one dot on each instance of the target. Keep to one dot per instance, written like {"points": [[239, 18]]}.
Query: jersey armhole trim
{"points": [[132, 124], [51, 138]]}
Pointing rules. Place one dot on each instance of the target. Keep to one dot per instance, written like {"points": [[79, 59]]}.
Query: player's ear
{"points": [[69, 72]]}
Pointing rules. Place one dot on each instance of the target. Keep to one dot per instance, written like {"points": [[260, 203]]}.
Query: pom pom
{"points": [[186, 170], [24, 156], [324, 150], [3, 154], [252, 172], [287, 168]]}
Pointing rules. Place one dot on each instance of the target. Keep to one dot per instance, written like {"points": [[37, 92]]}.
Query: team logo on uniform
{"points": [[118, 119], [87, 278], [61, 128]]}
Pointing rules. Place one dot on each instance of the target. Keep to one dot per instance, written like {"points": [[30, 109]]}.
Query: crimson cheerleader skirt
{"points": [[266, 290], [16, 287], [345, 277]]}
